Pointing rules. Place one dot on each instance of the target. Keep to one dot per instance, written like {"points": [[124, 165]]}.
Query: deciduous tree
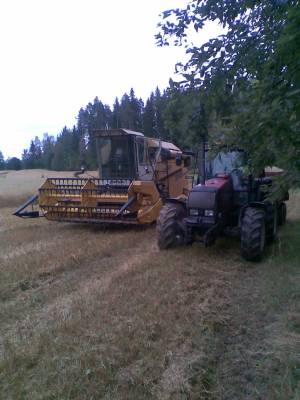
{"points": [[253, 66]]}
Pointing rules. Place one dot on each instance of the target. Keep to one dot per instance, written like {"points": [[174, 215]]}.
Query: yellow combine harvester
{"points": [[136, 175]]}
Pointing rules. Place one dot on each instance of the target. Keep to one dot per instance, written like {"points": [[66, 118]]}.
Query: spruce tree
{"points": [[2, 161]]}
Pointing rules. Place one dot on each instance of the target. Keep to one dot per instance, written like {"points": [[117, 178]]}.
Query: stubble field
{"points": [[100, 313]]}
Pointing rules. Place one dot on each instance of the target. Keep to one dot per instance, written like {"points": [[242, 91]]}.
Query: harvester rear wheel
{"points": [[253, 234], [170, 230]]}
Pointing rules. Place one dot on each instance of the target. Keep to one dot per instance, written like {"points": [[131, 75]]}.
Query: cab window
{"points": [[141, 150]]}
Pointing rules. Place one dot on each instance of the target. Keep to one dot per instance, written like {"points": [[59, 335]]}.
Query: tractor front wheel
{"points": [[169, 226], [253, 234]]}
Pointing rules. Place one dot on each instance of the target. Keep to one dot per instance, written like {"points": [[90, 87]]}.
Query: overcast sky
{"points": [[57, 55]]}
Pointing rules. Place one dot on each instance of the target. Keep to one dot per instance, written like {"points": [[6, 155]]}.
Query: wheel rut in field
{"points": [[242, 345], [64, 307]]}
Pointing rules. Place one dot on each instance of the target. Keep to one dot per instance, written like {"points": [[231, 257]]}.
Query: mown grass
{"points": [[134, 337], [261, 346], [97, 313], [282, 285]]}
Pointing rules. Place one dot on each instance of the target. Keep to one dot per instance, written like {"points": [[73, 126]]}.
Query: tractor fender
{"points": [[176, 200], [255, 204]]}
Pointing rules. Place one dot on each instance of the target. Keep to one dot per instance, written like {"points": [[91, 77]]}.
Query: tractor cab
{"points": [[229, 163], [124, 155], [233, 165]]}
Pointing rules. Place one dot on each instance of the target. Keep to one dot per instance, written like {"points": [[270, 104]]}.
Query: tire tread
{"points": [[251, 233], [167, 225]]}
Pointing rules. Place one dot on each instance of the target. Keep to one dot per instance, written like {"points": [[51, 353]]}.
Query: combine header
{"points": [[136, 175]]}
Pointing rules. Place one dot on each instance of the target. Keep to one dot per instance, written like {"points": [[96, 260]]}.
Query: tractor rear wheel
{"points": [[253, 234], [282, 214], [169, 227]]}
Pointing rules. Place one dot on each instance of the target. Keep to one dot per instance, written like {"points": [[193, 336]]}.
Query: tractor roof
{"points": [[115, 132]]}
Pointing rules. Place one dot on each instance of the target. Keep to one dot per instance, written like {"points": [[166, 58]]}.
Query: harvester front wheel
{"points": [[253, 234], [169, 227]]}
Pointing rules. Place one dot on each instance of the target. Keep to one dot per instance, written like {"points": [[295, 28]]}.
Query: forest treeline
{"points": [[160, 116]]}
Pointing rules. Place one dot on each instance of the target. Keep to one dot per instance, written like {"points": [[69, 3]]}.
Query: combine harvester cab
{"points": [[136, 175]]}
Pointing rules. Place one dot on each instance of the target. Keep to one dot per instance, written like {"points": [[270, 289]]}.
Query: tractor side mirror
{"points": [[250, 166], [178, 159], [187, 162], [165, 154]]}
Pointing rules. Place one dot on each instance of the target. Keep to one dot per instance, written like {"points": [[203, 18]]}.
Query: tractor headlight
{"points": [[194, 212], [209, 213]]}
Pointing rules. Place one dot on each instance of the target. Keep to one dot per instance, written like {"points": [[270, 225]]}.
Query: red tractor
{"points": [[227, 201]]}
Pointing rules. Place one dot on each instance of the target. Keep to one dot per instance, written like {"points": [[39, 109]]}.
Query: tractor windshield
{"points": [[116, 157], [224, 163]]}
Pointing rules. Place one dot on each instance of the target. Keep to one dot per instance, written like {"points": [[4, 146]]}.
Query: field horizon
{"points": [[17, 186]]}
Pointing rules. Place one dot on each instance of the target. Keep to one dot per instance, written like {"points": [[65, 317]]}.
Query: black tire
{"points": [[271, 222], [169, 227], [282, 214], [253, 234]]}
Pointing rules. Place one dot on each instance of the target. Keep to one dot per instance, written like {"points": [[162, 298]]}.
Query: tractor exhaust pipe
{"points": [[202, 164], [199, 118]]}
